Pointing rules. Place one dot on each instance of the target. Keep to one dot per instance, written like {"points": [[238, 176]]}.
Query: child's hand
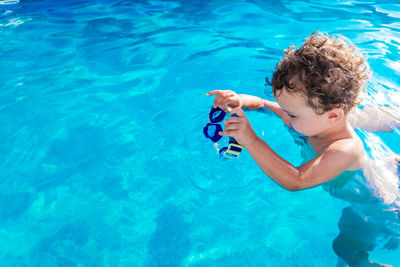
{"points": [[226, 97], [239, 128]]}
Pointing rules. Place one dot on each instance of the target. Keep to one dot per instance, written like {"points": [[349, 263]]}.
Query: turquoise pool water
{"points": [[102, 104]]}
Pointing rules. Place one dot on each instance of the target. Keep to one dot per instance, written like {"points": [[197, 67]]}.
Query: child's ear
{"points": [[335, 115]]}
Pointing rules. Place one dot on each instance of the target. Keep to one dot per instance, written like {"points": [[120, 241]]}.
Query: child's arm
{"points": [[254, 102], [337, 158], [273, 106], [224, 97], [234, 100], [251, 102], [375, 119], [331, 163]]}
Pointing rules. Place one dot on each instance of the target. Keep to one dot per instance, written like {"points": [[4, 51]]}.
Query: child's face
{"points": [[302, 117]]}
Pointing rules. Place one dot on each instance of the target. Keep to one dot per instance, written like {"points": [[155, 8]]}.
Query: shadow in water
{"points": [[170, 243]]}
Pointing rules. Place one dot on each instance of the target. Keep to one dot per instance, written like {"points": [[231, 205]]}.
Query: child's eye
{"points": [[292, 116]]}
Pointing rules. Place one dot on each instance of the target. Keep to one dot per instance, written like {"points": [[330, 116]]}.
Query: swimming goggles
{"points": [[212, 129]]}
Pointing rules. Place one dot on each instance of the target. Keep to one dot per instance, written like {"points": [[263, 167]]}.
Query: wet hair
{"points": [[329, 71]]}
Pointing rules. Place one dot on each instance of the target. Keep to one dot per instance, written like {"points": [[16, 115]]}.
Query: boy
{"points": [[315, 88]]}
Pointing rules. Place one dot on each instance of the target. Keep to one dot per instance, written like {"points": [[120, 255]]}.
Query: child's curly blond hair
{"points": [[328, 71]]}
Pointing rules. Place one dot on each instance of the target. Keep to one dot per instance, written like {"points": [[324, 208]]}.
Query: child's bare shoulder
{"points": [[349, 149]]}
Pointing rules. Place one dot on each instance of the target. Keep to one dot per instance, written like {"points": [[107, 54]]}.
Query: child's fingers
{"points": [[219, 102], [226, 133], [228, 100], [212, 93], [215, 92], [225, 109], [238, 111], [222, 98], [232, 127], [232, 120]]}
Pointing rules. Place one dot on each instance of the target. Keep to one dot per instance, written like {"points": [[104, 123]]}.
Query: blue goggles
{"points": [[212, 129]]}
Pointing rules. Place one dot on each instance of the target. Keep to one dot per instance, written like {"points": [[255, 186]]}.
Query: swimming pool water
{"points": [[103, 160]]}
